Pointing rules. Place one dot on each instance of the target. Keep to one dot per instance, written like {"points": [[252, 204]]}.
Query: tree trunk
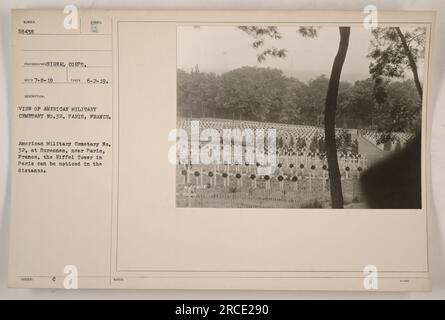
{"points": [[411, 61], [329, 122]]}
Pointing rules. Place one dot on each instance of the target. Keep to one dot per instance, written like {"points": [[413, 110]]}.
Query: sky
{"points": [[223, 48]]}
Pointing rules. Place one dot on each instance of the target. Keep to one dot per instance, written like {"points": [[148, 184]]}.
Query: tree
{"points": [[315, 100], [396, 108], [280, 143], [292, 141], [399, 111], [313, 145], [357, 104], [354, 146], [393, 51], [329, 123], [321, 145], [343, 141], [198, 93], [293, 102], [259, 34], [254, 93]]}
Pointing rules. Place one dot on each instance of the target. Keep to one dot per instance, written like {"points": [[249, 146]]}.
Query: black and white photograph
{"points": [[290, 150], [288, 116]]}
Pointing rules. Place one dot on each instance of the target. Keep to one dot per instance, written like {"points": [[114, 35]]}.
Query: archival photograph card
{"points": [[253, 150]]}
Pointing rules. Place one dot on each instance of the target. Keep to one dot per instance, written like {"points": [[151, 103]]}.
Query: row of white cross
{"points": [[295, 177], [306, 159]]}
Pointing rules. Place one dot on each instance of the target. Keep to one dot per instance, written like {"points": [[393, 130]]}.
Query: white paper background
{"points": [[438, 155]]}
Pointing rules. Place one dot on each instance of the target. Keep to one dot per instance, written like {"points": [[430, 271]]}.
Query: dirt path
{"points": [[370, 151]]}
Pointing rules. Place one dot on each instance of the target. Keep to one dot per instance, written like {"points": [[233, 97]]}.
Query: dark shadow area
{"points": [[395, 183]]}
